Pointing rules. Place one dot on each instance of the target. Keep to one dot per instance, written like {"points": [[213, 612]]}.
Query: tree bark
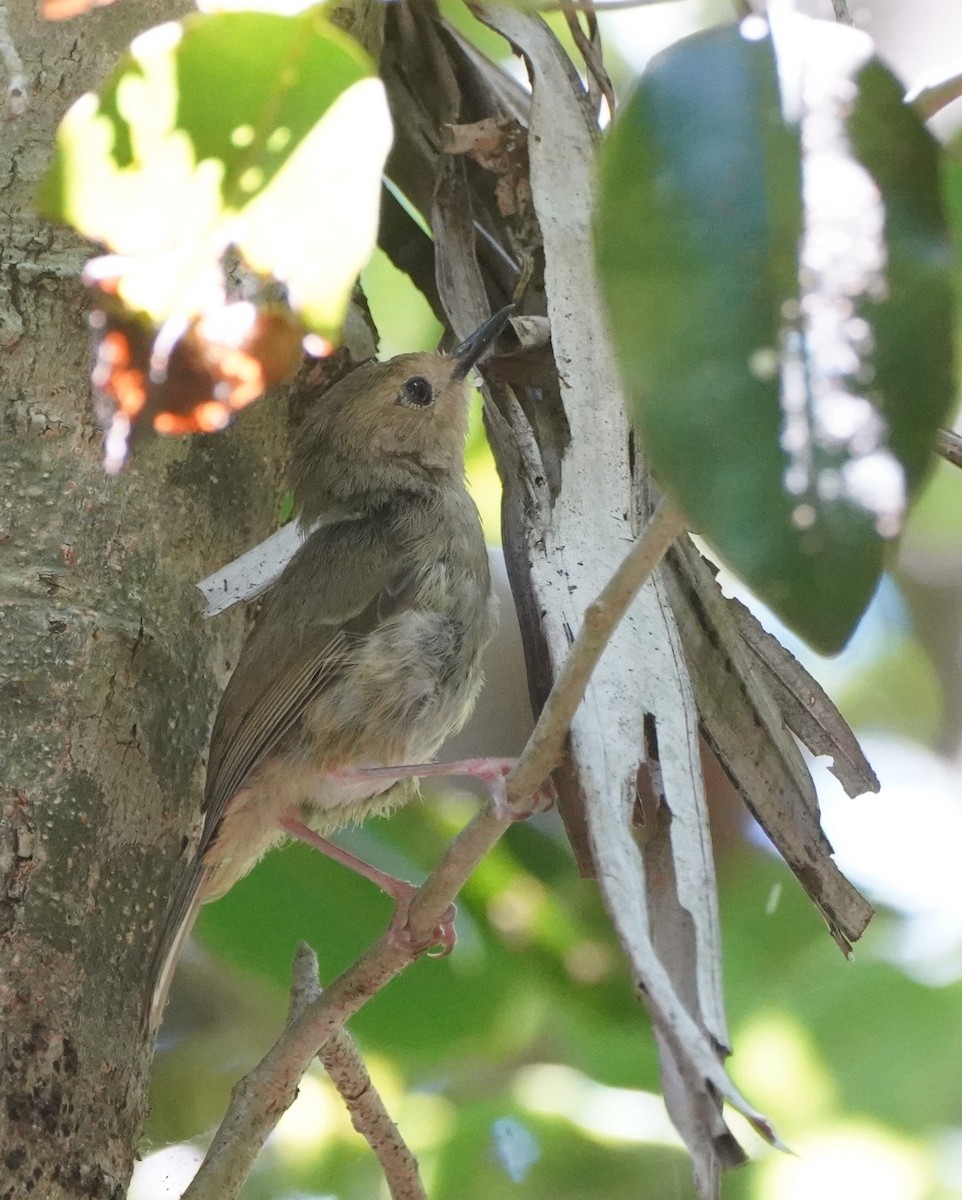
{"points": [[108, 677]]}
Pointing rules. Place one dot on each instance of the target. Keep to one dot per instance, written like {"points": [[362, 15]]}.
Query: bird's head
{"points": [[388, 428]]}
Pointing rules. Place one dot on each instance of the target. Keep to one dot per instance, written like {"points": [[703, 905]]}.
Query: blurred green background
{"points": [[522, 1065]]}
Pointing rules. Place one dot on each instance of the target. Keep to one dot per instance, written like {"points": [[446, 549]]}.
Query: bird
{"points": [[366, 653]]}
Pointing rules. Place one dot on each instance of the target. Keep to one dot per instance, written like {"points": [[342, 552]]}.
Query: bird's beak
{"points": [[473, 346]]}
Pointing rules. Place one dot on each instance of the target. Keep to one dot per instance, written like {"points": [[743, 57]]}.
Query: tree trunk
{"points": [[108, 677]]}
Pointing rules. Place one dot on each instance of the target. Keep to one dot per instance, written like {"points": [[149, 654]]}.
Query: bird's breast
{"points": [[408, 684]]}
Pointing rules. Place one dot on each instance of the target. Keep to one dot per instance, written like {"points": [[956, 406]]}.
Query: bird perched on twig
{"points": [[367, 651]]}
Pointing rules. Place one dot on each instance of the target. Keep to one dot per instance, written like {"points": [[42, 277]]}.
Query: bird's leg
{"points": [[397, 889], [492, 771], [400, 891]]}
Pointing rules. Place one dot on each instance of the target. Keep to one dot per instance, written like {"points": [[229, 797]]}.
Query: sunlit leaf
{"points": [[777, 270], [251, 128], [323, 207]]}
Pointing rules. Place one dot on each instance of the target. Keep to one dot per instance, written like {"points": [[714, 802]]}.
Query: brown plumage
{"points": [[367, 651]]}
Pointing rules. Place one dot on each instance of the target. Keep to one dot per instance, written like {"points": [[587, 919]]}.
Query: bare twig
{"points": [[589, 44], [344, 1065], [949, 445], [265, 1093], [259, 1099], [545, 744], [842, 13], [935, 89]]}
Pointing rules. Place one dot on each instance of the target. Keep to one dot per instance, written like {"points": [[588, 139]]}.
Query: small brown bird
{"points": [[367, 651]]}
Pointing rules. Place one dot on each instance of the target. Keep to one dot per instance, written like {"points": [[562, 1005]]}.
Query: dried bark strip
{"points": [[747, 731]]}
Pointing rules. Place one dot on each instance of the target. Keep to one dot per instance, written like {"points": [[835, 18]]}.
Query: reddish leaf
{"points": [[186, 380]]}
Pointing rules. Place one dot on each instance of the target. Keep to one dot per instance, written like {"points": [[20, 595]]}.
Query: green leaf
{"points": [[250, 128], [777, 270], [317, 221]]}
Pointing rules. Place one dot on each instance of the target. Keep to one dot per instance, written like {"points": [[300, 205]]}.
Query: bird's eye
{"points": [[417, 390]]}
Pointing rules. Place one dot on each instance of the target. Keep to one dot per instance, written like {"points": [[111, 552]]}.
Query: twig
{"points": [[842, 13], [545, 744], [589, 45], [935, 89], [265, 1093], [259, 1099], [949, 445], [344, 1065]]}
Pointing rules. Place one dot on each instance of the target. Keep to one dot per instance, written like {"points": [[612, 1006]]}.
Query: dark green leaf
{"points": [[778, 278]]}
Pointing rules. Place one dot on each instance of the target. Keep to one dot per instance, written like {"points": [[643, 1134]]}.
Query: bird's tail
{"points": [[178, 924]]}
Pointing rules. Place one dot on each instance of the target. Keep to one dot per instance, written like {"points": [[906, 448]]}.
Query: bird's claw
{"points": [[540, 800], [444, 935]]}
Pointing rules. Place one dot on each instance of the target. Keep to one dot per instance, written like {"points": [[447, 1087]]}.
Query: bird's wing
{"points": [[342, 583]]}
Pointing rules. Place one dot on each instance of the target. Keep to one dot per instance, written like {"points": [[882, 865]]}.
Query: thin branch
{"points": [[259, 1099], [842, 13], [949, 445], [343, 1063], [265, 1093], [589, 44], [935, 89], [601, 617]]}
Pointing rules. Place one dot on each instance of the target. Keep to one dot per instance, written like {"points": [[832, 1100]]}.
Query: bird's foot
{"points": [[443, 935], [543, 798]]}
